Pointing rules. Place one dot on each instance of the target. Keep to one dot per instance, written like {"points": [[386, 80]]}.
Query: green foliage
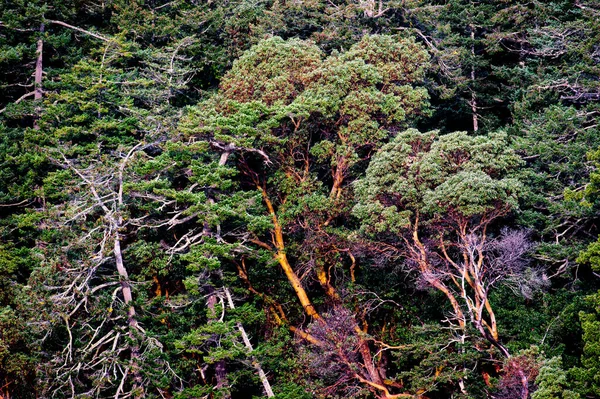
{"points": [[432, 365], [431, 175], [552, 382], [212, 138], [17, 361], [273, 71], [591, 256], [586, 376]]}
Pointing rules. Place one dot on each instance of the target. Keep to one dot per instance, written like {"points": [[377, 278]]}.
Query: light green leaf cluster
{"points": [[428, 174], [278, 83], [552, 382], [274, 71]]}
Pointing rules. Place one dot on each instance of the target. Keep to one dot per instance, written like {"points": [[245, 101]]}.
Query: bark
{"points": [[131, 320], [223, 158], [323, 278], [365, 353], [38, 92], [39, 66], [372, 376], [87, 32], [125, 286], [117, 223], [424, 266], [524, 384], [338, 179], [492, 315], [372, 8], [281, 257]]}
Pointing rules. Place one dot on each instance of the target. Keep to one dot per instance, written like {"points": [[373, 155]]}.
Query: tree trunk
{"points": [[220, 366], [131, 320], [281, 257], [473, 95], [38, 92], [211, 302], [524, 384]]}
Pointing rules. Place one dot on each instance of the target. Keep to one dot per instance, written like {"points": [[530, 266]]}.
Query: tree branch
{"points": [[87, 32]]}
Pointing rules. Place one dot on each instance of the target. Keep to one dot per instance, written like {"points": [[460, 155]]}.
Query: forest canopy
{"points": [[300, 199]]}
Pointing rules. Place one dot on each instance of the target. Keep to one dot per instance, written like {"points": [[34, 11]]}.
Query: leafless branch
{"points": [[87, 32], [18, 100]]}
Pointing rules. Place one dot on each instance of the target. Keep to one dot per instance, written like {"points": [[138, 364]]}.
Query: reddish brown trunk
{"points": [[365, 352], [338, 179], [323, 278]]}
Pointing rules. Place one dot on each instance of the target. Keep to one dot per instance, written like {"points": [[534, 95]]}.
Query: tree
{"points": [[467, 90], [553, 119], [436, 198], [287, 126], [33, 49], [586, 375], [97, 135], [174, 223]]}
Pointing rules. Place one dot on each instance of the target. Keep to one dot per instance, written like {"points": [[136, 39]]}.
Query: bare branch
{"points": [[18, 100], [87, 32]]}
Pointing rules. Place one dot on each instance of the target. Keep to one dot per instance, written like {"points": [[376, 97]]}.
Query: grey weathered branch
{"points": [[18, 100], [261, 373], [87, 32]]}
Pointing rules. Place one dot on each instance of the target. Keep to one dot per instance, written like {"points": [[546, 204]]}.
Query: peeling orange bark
{"points": [[281, 257], [158, 290], [372, 376], [324, 280]]}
